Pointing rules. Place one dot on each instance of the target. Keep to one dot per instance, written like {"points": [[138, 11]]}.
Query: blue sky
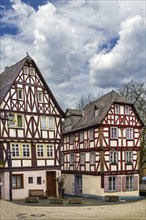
{"points": [[80, 47]]}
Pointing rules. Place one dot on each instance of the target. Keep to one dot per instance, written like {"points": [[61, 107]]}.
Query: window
{"points": [[81, 136], [126, 110], [92, 158], [51, 123], [96, 110], [40, 97], [15, 150], [43, 122], [82, 158], [129, 182], [71, 158], [47, 123], [17, 181], [16, 121], [26, 150], [20, 94], [11, 121], [129, 157], [129, 133], [30, 179], [62, 159], [114, 133], [117, 109], [49, 151], [40, 151], [91, 134], [19, 121], [39, 180], [113, 157], [71, 139], [112, 183], [32, 71], [26, 70]]}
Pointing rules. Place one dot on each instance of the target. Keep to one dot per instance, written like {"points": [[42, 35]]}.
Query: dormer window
{"points": [[96, 110]]}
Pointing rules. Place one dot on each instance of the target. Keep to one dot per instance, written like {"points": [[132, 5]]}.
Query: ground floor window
{"points": [[112, 183], [129, 182], [17, 181]]}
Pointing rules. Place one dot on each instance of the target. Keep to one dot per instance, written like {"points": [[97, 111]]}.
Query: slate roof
{"points": [[74, 112], [8, 77], [104, 103]]}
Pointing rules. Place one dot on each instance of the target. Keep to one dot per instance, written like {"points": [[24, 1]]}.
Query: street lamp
{"points": [[10, 174]]}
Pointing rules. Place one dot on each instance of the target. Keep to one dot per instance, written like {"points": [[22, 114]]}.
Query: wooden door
{"points": [[78, 185], [51, 184]]}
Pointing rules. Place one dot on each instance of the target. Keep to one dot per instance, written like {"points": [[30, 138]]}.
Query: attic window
{"points": [[32, 71], [96, 110], [26, 70]]}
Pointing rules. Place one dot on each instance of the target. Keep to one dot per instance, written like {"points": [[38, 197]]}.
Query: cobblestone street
{"points": [[135, 210]]}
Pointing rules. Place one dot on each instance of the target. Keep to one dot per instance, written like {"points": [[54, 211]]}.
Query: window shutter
{"points": [[124, 183], [106, 184], [119, 184], [135, 183]]}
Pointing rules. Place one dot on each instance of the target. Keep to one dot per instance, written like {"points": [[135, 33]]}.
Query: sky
{"points": [[80, 46]]}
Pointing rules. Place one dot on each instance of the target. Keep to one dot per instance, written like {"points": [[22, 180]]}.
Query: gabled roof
{"points": [[104, 104], [8, 77]]}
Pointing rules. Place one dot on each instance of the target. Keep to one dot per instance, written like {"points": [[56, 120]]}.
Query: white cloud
{"points": [[125, 61], [73, 43]]}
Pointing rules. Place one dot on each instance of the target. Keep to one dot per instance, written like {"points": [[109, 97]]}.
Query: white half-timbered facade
{"points": [[30, 132], [100, 150]]}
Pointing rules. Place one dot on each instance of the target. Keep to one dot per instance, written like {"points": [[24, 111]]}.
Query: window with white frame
{"points": [[15, 150], [40, 97], [112, 183], [26, 150], [129, 157], [92, 158], [82, 158], [71, 139], [91, 134], [126, 110], [113, 157], [50, 151], [72, 156], [47, 123], [129, 182], [129, 133], [40, 151], [114, 133], [117, 109], [20, 94]]}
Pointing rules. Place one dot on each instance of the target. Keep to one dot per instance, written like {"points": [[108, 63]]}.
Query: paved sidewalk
{"points": [[135, 210]]}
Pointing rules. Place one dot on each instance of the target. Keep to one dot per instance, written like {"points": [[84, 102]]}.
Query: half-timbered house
{"points": [[30, 132], [100, 150]]}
